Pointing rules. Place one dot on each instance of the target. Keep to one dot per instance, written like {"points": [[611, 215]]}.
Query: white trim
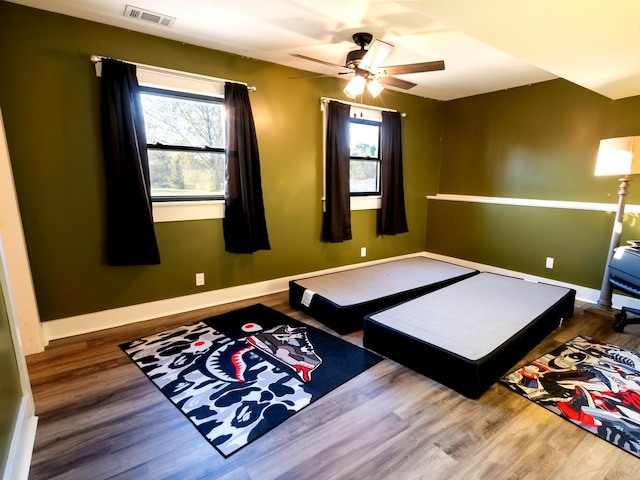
{"points": [[585, 294], [533, 202], [179, 211], [24, 430], [369, 202], [357, 106], [179, 81], [22, 442], [151, 75], [18, 267], [91, 322]]}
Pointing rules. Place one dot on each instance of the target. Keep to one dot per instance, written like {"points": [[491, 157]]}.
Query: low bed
{"points": [[340, 300], [467, 335]]}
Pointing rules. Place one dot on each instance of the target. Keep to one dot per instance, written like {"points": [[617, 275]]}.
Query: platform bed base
{"points": [[341, 300], [430, 342]]}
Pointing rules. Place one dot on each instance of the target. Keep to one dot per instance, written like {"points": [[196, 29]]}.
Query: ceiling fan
{"points": [[368, 69]]}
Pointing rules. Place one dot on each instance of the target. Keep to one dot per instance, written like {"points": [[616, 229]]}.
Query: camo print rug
{"points": [[237, 375], [593, 384]]}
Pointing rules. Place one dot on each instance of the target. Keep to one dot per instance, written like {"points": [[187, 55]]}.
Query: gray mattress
{"points": [[467, 323], [341, 299]]}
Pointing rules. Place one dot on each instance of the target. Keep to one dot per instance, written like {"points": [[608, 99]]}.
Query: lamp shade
{"points": [[618, 156]]}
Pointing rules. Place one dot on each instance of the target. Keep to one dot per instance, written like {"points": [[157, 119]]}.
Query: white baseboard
{"points": [[91, 322], [116, 317], [23, 439]]}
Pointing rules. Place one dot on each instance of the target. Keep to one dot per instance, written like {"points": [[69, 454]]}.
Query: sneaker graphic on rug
{"points": [[290, 346], [584, 403]]}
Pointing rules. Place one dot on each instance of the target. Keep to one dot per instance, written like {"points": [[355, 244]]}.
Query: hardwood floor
{"points": [[100, 417]]}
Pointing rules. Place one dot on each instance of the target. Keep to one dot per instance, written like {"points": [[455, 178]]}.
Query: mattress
{"points": [[468, 334], [340, 300]]}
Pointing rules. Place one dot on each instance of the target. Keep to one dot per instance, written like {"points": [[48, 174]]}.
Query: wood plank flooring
{"points": [[100, 417]]}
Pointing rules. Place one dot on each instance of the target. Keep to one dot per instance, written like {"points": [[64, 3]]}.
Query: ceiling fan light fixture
{"points": [[368, 65], [374, 87], [355, 86]]}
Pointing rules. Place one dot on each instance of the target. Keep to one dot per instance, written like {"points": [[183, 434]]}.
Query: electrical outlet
{"points": [[549, 263], [363, 252], [199, 279]]}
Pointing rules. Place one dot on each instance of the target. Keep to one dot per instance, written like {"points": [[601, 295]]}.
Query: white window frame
{"points": [[191, 83], [357, 202]]}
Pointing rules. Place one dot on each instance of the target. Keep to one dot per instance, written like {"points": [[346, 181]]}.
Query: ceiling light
{"points": [[357, 84], [355, 87], [374, 87]]}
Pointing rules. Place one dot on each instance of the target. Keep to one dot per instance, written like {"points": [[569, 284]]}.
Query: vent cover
{"points": [[148, 16]]}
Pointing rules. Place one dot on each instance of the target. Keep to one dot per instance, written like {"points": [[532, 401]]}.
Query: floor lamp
{"points": [[616, 156]]}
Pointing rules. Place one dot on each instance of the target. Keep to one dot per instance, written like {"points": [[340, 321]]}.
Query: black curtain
{"points": [[392, 218], [244, 224], [336, 226], [131, 239]]}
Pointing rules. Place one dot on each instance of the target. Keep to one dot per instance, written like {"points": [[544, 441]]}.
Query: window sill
{"points": [[182, 211], [373, 202], [212, 209]]}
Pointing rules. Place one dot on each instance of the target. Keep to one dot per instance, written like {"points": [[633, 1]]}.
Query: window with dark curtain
{"points": [[244, 223], [392, 219], [131, 238], [336, 225]]}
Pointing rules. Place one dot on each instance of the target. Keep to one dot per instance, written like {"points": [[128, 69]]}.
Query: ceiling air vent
{"points": [[148, 16]]}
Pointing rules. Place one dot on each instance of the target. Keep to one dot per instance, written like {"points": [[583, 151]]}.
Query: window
{"points": [[364, 164], [185, 135]]}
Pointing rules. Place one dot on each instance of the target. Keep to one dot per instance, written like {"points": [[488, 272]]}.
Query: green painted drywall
{"points": [[10, 389], [49, 96], [537, 142]]}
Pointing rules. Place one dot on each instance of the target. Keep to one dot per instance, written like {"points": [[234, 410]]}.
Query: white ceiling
{"points": [[487, 45]]}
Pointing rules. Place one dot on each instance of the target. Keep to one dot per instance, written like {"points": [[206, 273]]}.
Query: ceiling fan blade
{"points": [[374, 57], [396, 82], [304, 57], [320, 75], [413, 68]]}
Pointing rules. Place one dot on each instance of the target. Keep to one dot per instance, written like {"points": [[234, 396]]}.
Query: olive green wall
{"points": [[537, 142], [10, 388], [49, 96]]}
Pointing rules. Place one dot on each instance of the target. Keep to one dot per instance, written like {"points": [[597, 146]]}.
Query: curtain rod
{"points": [[325, 100], [175, 73]]}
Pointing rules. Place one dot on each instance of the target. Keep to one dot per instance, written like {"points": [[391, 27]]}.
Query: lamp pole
{"points": [[606, 292]]}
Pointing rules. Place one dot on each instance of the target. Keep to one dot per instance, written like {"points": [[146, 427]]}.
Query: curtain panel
{"points": [[392, 219], [131, 238], [244, 224], [336, 226]]}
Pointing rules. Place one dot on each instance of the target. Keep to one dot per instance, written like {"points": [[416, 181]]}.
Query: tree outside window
{"points": [[185, 135]]}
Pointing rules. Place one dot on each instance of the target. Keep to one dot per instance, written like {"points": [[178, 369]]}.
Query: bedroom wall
{"points": [[10, 388], [49, 96], [533, 142]]}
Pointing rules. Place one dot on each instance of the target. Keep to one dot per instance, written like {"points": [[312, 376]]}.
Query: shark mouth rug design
{"points": [[237, 375]]}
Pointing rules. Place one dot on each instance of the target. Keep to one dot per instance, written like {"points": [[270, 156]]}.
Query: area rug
{"points": [[237, 375], [595, 385]]}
